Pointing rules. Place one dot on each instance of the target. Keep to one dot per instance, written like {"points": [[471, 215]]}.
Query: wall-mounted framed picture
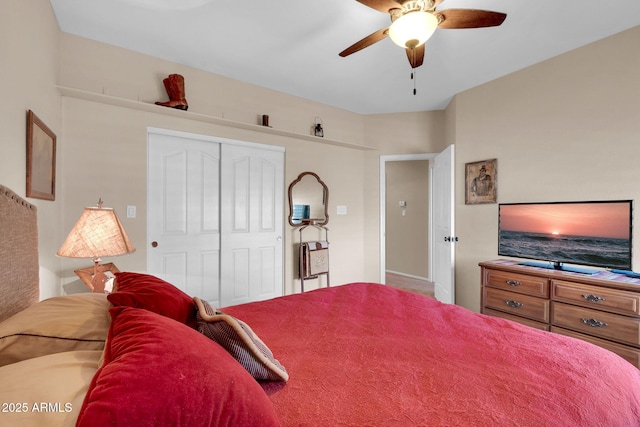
{"points": [[481, 182], [41, 159]]}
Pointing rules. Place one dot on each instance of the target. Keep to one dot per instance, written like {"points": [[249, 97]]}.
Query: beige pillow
{"points": [[65, 323], [48, 390]]}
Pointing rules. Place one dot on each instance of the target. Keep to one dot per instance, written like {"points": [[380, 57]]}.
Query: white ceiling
{"points": [[292, 46]]}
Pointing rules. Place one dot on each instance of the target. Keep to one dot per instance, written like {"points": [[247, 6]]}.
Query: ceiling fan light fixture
{"points": [[413, 29]]}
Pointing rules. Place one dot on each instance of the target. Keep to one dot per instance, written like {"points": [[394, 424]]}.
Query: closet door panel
{"points": [[183, 213], [252, 203]]}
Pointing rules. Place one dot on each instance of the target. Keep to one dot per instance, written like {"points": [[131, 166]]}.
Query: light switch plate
{"points": [[131, 211], [341, 210]]}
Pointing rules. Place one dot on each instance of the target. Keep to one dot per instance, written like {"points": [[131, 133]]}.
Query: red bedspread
{"points": [[371, 355]]}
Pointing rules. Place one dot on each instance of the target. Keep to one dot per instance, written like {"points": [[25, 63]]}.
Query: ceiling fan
{"points": [[414, 21]]}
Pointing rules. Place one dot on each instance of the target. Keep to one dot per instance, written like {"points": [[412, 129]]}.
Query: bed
{"points": [[360, 354]]}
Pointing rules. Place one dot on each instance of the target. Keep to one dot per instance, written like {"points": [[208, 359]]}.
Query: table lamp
{"points": [[98, 233]]}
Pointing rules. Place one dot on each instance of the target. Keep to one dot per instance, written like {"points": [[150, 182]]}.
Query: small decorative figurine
{"points": [[317, 128]]}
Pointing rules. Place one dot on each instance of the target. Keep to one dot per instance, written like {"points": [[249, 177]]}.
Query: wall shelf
{"points": [[152, 108]]}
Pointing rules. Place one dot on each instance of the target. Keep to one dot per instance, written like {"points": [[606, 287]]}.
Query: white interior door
{"points": [[215, 216], [183, 206], [443, 217], [252, 223]]}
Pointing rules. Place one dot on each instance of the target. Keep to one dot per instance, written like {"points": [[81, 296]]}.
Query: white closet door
{"points": [[252, 195], [183, 222]]}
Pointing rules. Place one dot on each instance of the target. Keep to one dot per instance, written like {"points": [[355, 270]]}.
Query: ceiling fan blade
{"points": [[365, 42], [383, 6], [470, 18], [416, 56]]}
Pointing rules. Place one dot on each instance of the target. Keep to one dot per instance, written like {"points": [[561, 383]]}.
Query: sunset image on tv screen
{"points": [[591, 233]]}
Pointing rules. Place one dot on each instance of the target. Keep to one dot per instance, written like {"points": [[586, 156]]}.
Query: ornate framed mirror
{"points": [[308, 201]]}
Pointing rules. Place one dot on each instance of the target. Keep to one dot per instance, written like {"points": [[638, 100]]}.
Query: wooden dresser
{"points": [[602, 308]]}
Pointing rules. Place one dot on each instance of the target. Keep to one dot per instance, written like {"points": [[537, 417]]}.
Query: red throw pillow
{"points": [[158, 372], [153, 294]]}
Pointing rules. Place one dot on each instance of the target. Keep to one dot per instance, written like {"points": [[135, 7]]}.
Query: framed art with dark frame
{"points": [[481, 182], [41, 159]]}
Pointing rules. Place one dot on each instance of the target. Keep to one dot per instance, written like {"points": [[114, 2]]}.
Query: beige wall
{"points": [[105, 145], [117, 135], [406, 236], [565, 129], [29, 55], [102, 148]]}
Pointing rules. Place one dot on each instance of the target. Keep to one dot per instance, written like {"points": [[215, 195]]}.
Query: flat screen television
{"points": [[597, 234]]}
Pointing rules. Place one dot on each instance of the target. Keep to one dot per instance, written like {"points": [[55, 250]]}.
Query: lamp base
{"points": [[96, 281]]}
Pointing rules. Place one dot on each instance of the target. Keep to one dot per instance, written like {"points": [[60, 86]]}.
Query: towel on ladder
{"points": [[316, 258]]}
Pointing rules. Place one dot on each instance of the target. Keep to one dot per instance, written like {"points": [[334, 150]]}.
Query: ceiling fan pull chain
{"points": [[413, 70], [413, 77]]}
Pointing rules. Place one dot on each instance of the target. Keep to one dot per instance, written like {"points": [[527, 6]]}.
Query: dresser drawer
{"points": [[521, 283], [520, 305], [597, 323], [522, 320], [630, 354], [613, 300]]}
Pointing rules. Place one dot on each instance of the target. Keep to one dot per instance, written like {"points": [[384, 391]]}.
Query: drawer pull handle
{"points": [[512, 303], [592, 298], [594, 323], [513, 283]]}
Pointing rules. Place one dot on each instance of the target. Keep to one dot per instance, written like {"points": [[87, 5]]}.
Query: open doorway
{"points": [[407, 225], [440, 255], [405, 207]]}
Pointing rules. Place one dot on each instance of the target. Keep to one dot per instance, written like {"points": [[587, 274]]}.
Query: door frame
{"points": [[219, 139], [383, 211]]}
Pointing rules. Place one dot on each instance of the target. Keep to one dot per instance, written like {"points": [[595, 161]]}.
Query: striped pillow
{"points": [[240, 341]]}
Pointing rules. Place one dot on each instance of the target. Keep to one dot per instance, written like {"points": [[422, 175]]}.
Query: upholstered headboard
{"points": [[19, 275]]}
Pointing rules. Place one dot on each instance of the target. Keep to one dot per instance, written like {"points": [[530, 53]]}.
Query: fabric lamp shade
{"points": [[97, 233]]}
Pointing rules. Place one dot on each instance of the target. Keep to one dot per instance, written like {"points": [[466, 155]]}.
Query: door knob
{"points": [[154, 244]]}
